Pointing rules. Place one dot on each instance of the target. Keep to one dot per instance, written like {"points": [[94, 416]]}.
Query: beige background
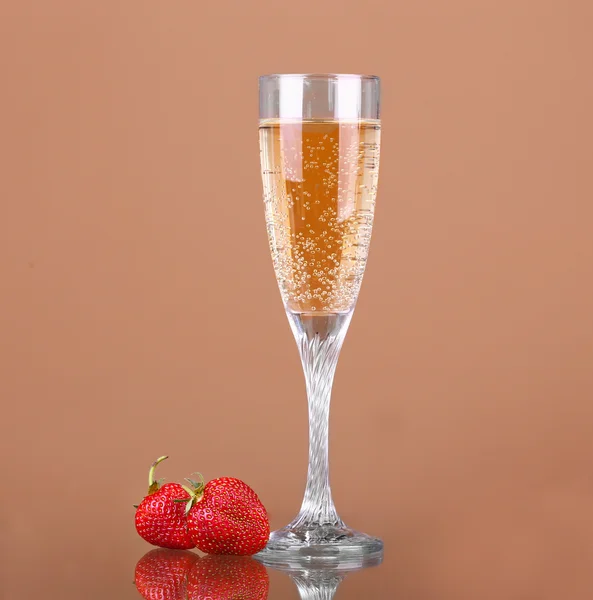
{"points": [[140, 314]]}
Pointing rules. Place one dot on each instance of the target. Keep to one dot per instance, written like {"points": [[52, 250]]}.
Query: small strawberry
{"points": [[225, 516], [228, 578], [159, 519], [162, 574]]}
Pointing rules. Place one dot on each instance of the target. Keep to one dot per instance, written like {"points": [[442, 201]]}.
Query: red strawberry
{"points": [[227, 517], [160, 520], [162, 574], [228, 578]]}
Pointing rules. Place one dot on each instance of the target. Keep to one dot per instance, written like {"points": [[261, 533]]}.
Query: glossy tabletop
{"points": [[483, 563]]}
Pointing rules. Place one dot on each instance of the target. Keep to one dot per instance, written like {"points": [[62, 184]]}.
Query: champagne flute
{"points": [[319, 146]]}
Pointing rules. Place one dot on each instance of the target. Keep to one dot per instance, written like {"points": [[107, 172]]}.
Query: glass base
{"points": [[328, 546]]}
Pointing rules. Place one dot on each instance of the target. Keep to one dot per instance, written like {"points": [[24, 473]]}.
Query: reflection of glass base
{"points": [[321, 545]]}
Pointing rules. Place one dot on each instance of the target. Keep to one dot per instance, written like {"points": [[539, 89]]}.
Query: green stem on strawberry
{"points": [[153, 485], [198, 485], [195, 494]]}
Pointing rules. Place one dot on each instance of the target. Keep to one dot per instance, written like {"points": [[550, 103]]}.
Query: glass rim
{"points": [[327, 76]]}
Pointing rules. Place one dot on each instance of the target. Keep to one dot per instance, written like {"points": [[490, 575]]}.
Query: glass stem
{"points": [[319, 339]]}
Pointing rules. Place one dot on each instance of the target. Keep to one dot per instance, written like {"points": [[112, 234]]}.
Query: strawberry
{"points": [[228, 578], [162, 574], [226, 517], [160, 520]]}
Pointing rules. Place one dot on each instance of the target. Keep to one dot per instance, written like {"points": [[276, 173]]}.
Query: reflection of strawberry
{"points": [[162, 574], [228, 578], [160, 520], [227, 517]]}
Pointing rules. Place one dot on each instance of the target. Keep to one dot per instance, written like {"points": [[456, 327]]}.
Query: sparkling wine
{"points": [[320, 182]]}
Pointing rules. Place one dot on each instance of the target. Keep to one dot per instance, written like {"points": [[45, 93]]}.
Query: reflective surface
{"points": [[497, 560], [182, 575]]}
